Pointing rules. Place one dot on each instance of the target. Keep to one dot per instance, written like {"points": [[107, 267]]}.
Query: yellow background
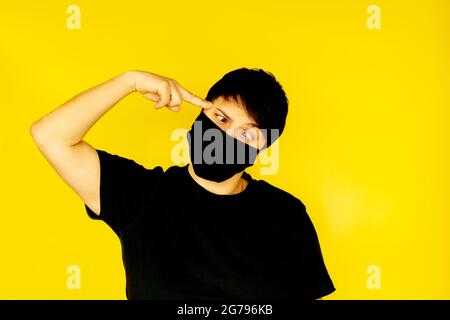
{"points": [[366, 146]]}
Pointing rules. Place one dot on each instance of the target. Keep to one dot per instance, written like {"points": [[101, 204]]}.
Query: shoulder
{"points": [[175, 170], [290, 211], [284, 199], [288, 207], [175, 173]]}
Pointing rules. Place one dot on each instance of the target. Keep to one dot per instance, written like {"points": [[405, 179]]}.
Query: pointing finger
{"points": [[192, 98]]}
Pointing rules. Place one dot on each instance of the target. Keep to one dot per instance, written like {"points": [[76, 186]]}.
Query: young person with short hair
{"points": [[206, 230]]}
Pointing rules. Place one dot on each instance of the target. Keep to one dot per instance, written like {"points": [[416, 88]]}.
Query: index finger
{"points": [[192, 98]]}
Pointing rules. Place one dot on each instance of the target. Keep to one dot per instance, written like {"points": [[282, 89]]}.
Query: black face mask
{"points": [[215, 155]]}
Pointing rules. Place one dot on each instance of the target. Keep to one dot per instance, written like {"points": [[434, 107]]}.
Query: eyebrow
{"points": [[248, 123]]}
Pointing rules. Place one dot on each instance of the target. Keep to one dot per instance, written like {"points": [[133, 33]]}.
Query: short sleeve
{"points": [[125, 186], [312, 280]]}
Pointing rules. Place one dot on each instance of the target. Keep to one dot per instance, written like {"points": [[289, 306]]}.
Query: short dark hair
{"points": [[259, 92]]}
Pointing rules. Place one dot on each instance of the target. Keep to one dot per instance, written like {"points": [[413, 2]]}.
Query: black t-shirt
{"points": [[180, 241]]}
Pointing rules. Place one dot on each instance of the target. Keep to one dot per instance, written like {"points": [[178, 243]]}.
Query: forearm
{"points": [[69, 123]]}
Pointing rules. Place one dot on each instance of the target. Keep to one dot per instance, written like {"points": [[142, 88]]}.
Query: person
{"points": [[205, 230]]}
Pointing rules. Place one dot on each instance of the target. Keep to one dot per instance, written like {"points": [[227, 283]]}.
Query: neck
{"points": [[233, 185]]}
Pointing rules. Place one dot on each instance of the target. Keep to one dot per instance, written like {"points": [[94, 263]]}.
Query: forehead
{"points": [[234, 109]]}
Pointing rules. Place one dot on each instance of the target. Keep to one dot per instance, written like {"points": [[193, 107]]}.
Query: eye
{"points": [[221, 118], [247, 136]]}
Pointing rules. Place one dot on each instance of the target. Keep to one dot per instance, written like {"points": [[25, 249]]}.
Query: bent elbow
{"points": [[36, 133]]}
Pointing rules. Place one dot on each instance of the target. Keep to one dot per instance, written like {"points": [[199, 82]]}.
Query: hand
{"points": [[165, 91]]}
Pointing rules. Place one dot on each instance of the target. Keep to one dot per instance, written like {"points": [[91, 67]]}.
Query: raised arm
{"points": [[59, 134]]}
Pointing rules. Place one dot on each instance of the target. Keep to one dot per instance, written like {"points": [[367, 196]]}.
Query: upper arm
{"points": [[311, 268], [79, 167]]}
